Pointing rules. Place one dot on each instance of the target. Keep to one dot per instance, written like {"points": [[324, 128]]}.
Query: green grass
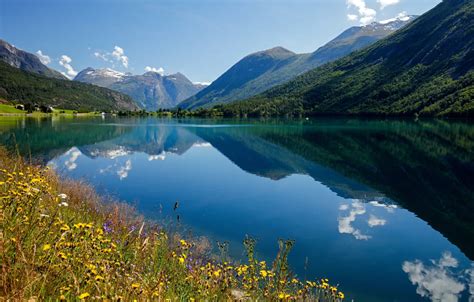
{"points": [[9, 109], [61, 241]]}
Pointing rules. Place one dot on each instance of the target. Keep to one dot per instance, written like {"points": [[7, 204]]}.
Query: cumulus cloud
{"points": [[344, 207], [352, 17], [102, 56], [375, 221], [119, 55], [123, 171], [435, 281], [43, 58], [153, 69], [385, 3], [114, 153], [471, 283], [65, 62], [388, 207], [73, 154], [345, 222], [365, 15]]}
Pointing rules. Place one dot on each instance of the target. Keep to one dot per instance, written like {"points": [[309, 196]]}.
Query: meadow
{"points": [[59, 240]]}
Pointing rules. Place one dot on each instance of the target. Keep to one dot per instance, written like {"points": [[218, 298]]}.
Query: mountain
{"points": [[425, 68], [265, 69], [18, 86], [150, 91], [25, 61]]}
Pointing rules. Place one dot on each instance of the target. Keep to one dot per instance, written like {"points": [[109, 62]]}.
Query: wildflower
{"points": [[135, 285], [341, 295], [65, 228], [63, 204], [217, 273], [46, 247], [99, 278], [83, 296], [283, 296], [263, 273], [181, 260], [62, 196]]}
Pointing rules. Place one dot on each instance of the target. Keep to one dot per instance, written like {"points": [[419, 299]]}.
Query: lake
{"points": [[385, 208]]}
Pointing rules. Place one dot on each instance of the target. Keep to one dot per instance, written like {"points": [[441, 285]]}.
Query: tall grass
{"points": [[60, 241]]}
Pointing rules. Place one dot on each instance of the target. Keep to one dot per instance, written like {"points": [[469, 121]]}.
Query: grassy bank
{"points": [[6, 109], [61, 241]]}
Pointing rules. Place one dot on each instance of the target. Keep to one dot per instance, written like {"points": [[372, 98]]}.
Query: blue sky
{"points": [[200, 38]]}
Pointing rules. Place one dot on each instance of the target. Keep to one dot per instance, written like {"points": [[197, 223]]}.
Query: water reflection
{"points": [[359, 197], [438, 280]]}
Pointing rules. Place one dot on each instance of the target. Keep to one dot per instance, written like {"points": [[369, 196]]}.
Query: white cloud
{"points": [[435, 281], [119, 55], [161, 156], [345, 223], [352, 17], [344, 207], [43, 58], [389, 207], [123, 171], [65, 62], [114, 153], [375, 221], [102, 56], [160, 70], [366, 15], [70, 163], [385, 3]]}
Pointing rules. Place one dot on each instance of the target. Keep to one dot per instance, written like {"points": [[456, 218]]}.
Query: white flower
{"points": [[62, 196], [44, 215], [63, 204]]}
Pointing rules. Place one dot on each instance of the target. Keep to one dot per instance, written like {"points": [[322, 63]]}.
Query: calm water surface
{"points": [[382, 207]]}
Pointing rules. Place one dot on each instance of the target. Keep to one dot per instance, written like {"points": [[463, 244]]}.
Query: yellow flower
{"points": [[99, 278], [181, 260], [46, 247], [341, 295], [83, 296], [135, 285], [217, 273], [263, 273]]}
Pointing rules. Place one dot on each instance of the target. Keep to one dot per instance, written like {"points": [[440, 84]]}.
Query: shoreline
{"points": [[51, 226]]}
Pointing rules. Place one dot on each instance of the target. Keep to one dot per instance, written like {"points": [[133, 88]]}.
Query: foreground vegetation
{"points": [[60, 241]]}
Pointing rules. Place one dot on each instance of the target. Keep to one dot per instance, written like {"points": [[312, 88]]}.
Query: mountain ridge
{"points": [[19, 86], [424, 68], [262, 70], [26, 61], [150, 90]]}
